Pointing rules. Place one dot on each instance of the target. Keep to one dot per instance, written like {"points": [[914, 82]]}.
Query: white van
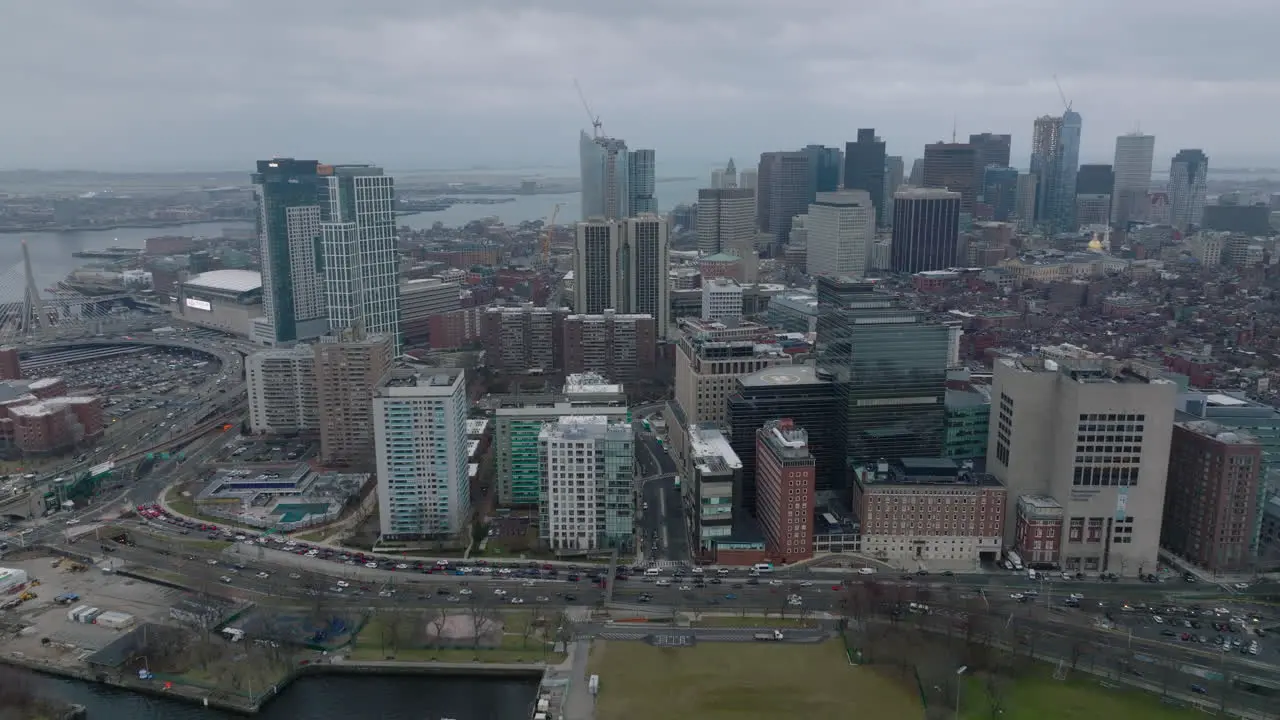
{"points": [[1031, 574], [762, 567], [651, 572]]}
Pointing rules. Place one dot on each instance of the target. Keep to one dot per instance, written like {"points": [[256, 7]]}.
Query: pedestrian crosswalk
{"points": [[666, 564]]}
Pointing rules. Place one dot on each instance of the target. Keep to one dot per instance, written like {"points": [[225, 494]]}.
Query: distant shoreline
{"points": [[121, 226]]}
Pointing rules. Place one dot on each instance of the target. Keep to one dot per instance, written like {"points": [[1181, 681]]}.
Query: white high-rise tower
{"points": [[1134, 152]]}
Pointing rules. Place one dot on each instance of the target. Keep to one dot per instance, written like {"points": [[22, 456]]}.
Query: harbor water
{"points": [[336, 697]]}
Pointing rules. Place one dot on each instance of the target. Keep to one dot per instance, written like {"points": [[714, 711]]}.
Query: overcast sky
{"points": [[201, 84]]}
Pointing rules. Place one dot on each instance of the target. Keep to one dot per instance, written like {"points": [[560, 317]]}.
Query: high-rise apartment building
{"points": [[1046, 161], [606, 177], [1025, 200], [1188, 181], [926, 229], [596, 284], [643, 269], [721, 299], [783, 192], [953, 166], [347, 369], [281, 389], [518, 420], [785, 490], [1000, 191], [1211, 497], [420, 441], [1069, 140], [991, 149], [291, 195], [1093, 434], [841, 227], [726, 220], [893, 181], [864, 168], [523, 338], [621, 347], [1134, 153], [361, 261], [641, 182], [588, 470], [889, 366]]}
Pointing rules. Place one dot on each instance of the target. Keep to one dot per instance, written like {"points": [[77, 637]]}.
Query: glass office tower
{"points": [[889, 366]]}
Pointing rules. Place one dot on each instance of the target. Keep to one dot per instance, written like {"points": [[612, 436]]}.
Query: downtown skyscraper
{"points": [[1188, 181], [1055, 159], [361, 259], [621, 265], [292, 198], [1134, 153], [606, 177], [864, 169], [641, 182]]}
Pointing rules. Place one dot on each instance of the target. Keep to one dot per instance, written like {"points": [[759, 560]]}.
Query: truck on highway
{"points": [[774, 636]]}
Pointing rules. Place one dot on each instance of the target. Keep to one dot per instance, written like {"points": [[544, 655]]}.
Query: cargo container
{"points": [[74, 612], [88, 616], [114, 620]]}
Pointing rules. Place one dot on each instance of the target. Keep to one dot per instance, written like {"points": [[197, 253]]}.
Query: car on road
{"points": [[467, 591], [499, 592], [371, 565], [225, 579], [343, 584], [517, 601], [336, 589], [542, 599], [1241, 586], [730, 596], [212, 561], [263, 575], [295, 576], [775, 582]]}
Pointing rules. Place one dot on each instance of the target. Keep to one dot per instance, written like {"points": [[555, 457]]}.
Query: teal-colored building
{"points": [[968, 419]]}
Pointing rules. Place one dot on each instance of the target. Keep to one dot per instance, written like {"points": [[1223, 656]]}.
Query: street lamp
{"points": [[959, 680]]}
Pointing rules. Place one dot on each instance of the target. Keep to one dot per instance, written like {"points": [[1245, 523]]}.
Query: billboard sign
{"points": [[200, 304]]}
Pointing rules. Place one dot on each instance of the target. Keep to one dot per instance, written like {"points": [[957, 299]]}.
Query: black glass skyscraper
{"points": [[786, 391], [824, 169], [289, 215], [864, 166], [889, 366]]}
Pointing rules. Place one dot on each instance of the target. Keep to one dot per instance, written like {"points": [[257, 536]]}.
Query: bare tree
{"points": [[389, 635], [438, 623], [996, 685], [530, 627], [481, 621]]}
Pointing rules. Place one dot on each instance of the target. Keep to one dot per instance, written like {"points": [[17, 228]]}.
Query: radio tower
{"points": [[31, 305]]}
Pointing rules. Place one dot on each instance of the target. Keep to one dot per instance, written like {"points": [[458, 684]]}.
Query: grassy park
{"points": [[735, 681], [1037, 696]]}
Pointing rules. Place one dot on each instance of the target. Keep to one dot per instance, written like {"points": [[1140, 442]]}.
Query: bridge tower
{"points": [[32, 308]]}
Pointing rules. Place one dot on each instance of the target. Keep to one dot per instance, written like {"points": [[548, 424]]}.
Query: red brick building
{"points": [[1211, 496], [785, 490], [620, 347], [454, 329], [1038, 535], [926, 510], [42, 419], [10, 363]]}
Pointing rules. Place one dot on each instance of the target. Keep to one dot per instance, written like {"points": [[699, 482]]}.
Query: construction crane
{"points": [[595, 119], [1065, 102], [546, 235]]}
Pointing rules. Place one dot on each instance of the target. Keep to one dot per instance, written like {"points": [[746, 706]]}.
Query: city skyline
{"points": [[145, 85]]}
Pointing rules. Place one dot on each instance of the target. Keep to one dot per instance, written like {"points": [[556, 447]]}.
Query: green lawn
{"points": [[741, 681], [1040, 697]]}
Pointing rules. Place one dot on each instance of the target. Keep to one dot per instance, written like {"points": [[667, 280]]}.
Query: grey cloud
{"points": [[412, 83]]}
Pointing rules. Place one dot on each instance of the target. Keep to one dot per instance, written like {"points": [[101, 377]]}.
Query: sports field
{"points": [[1040, 697]]}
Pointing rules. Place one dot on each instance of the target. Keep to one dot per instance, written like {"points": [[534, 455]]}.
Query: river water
{"points": [[51, 252], [340, 697]]}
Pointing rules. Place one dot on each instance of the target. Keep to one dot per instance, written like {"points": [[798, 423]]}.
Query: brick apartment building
{"points": [[1211, 501], [38, 417], [786, 479], [620, 347]]}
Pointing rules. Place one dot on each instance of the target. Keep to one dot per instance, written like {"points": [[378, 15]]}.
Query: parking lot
{"points": [[25, 626], [270, 450], [1213, 627]]}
